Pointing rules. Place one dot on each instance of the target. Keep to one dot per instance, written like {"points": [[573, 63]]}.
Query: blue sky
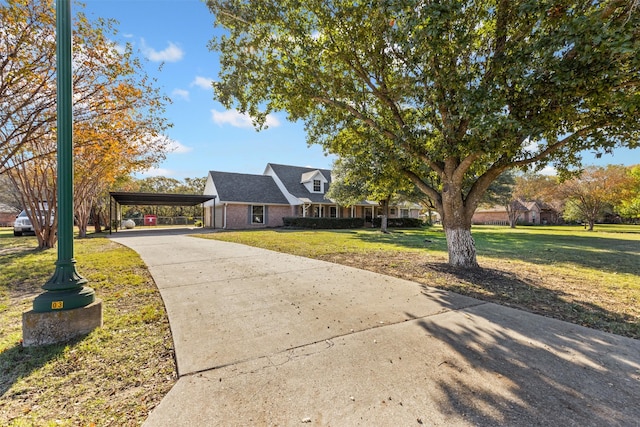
{"points": [[173, 36]]}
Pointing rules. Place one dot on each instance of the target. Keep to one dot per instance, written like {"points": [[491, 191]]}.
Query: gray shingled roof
{"points": [[290, 177], [246, 188]]}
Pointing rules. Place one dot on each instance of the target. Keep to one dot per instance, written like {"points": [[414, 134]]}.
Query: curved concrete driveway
{"points": [[264, 338]]}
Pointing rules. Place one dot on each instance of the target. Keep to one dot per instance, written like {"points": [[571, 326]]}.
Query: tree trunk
{"points": [[95, 216], [47, 236], [82, 230], [462, 248], [512, 222], [456, 221], [385, 215], [82, 213]]}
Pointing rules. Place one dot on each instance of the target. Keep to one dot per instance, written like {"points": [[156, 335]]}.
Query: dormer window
{"points": [[314, 181]]}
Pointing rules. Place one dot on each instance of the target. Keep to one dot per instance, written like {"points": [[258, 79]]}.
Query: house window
{"points": [[333, 212], [392, 211], [404, 213], [317, 186], [257, 214]]}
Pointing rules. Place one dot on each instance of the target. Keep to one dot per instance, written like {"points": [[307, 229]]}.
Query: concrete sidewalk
{"points": [[264, 338]]}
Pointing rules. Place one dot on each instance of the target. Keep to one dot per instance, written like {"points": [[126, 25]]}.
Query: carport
{"points": [[153, 199]]}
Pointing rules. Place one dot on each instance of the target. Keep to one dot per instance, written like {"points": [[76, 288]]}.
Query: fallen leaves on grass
{"points": [[526, 286]]}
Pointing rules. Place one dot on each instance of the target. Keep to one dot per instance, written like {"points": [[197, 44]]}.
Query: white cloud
{"points": [[171, 53], [202, 82], [181, 93], [532, 146], [178, 148], [239, 120], [548, 170], [156, 172]]}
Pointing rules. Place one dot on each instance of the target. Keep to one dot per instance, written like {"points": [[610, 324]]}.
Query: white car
{"points": [[23, 224]]}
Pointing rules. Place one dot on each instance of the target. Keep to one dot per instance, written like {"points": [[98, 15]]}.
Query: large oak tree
{"points": [[453, 93]]}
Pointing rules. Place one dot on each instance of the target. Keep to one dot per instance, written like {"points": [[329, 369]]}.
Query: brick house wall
{"points": [[8, 215], [238, 216], [499, 216], [7, 218], [276, 213], [490, 217]]}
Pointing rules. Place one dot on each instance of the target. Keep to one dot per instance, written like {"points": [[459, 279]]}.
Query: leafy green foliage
{"points": [[629, 204], [399, 222], [500, 192], [323, 223]]}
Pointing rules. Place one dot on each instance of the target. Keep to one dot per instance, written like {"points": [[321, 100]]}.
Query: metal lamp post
{"points": [[65, 290]]}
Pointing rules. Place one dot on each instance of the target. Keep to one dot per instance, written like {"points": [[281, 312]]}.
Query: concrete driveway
{"points": [[264, 339]]}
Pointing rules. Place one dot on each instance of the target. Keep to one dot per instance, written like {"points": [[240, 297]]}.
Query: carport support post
{"points": [[64, 291]]}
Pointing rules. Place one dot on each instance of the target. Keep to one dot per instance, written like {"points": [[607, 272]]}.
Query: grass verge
{"points": [[112, 377], [588, 278]]}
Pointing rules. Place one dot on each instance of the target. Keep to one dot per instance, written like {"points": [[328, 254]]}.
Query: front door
{"points": [[368, 217]]}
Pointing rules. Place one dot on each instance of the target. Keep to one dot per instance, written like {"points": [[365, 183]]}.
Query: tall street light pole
{"points": [[65, 290]]}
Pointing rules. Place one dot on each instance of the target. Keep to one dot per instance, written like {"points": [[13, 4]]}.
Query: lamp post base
{"points": [[60, 326]]}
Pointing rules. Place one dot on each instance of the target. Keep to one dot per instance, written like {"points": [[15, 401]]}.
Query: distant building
{"points": [[526, 212], [7, 215]]}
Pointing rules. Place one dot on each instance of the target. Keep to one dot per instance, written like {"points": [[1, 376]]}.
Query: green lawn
{"points": [[113, 376], [589, 278]]}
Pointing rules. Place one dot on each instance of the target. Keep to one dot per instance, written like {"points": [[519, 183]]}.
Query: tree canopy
{"points": [[629, 206], [451, 93], [118, 111], [595, 192]]}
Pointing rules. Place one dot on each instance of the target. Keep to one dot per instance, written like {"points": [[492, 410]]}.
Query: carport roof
{"points": [[158, 199]]}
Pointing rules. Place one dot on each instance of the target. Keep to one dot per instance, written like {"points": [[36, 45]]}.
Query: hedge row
{"points": [[338, 223], [323, 223], [399, 222]]}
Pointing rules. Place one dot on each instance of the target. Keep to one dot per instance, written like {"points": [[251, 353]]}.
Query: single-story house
{"points": [[7, 215], [256, 201], [528, 212]]}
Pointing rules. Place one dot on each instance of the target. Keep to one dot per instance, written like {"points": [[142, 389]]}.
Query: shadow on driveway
{"points": [[553, 373]]}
